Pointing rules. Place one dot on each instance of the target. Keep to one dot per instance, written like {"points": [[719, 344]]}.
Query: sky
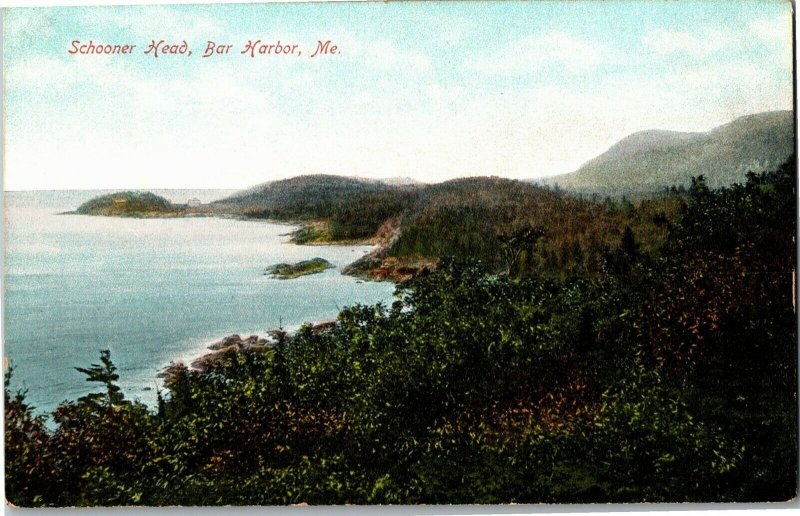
{"points": [[430, 91]]}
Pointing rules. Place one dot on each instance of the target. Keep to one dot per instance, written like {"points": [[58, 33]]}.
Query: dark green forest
{"points": [[561, 350]]}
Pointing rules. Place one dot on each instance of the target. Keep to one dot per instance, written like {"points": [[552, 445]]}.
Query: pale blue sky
{"points": [[427, 90]]}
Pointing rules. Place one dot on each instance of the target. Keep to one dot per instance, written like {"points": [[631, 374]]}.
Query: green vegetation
{"points": [[129, 204], [302, 268], [665, 372], [650, 161]]}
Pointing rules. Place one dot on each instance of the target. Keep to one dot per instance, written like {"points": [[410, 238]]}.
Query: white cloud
{"points": [[456, 30], [678, 42], [382, 54], [386, 55], [41, 76], [225, 132], [528, 55], [178, 131]]}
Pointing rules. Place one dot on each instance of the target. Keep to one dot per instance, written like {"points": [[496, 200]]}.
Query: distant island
{"points": [[130, 204]]}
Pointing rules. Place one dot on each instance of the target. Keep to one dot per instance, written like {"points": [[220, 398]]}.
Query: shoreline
{"points": [[219, 353], [141, 360], [375, 265]]}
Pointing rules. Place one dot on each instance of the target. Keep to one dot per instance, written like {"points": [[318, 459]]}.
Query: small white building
{"points": [[194, 201]]}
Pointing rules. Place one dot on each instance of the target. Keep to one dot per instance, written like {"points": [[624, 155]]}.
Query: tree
{"points": [[102, 444], [103, 373], [514, 243]]}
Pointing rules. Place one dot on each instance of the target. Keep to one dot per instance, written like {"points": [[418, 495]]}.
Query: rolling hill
{"points": [[650, 161], [300, 196], [346, 208]]}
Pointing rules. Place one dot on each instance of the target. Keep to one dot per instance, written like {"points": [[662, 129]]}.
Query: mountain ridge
{"points": [[652, 160]]}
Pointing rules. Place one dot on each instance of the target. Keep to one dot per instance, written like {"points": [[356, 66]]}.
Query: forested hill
{"points": [[353, 208], [300, 194], [471, 218], [482, 218], [650, 161]]}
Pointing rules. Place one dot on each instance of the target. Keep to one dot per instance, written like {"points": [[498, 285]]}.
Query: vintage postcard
{"points": [[399, 253]]}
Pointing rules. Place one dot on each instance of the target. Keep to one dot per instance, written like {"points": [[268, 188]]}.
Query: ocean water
{"points": [[151, 291]]}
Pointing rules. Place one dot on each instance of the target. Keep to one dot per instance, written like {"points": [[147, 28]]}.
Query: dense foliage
{"points": [[665, 375]]}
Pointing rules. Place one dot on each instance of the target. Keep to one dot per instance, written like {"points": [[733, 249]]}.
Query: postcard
{"points": [[400, 253]]}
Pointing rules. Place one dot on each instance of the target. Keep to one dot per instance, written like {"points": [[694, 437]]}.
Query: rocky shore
{"points": [[303, 268], [223, 353], [377, 266]]}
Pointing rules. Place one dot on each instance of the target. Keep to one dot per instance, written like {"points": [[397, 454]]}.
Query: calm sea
{"points": [[150, 290]]}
